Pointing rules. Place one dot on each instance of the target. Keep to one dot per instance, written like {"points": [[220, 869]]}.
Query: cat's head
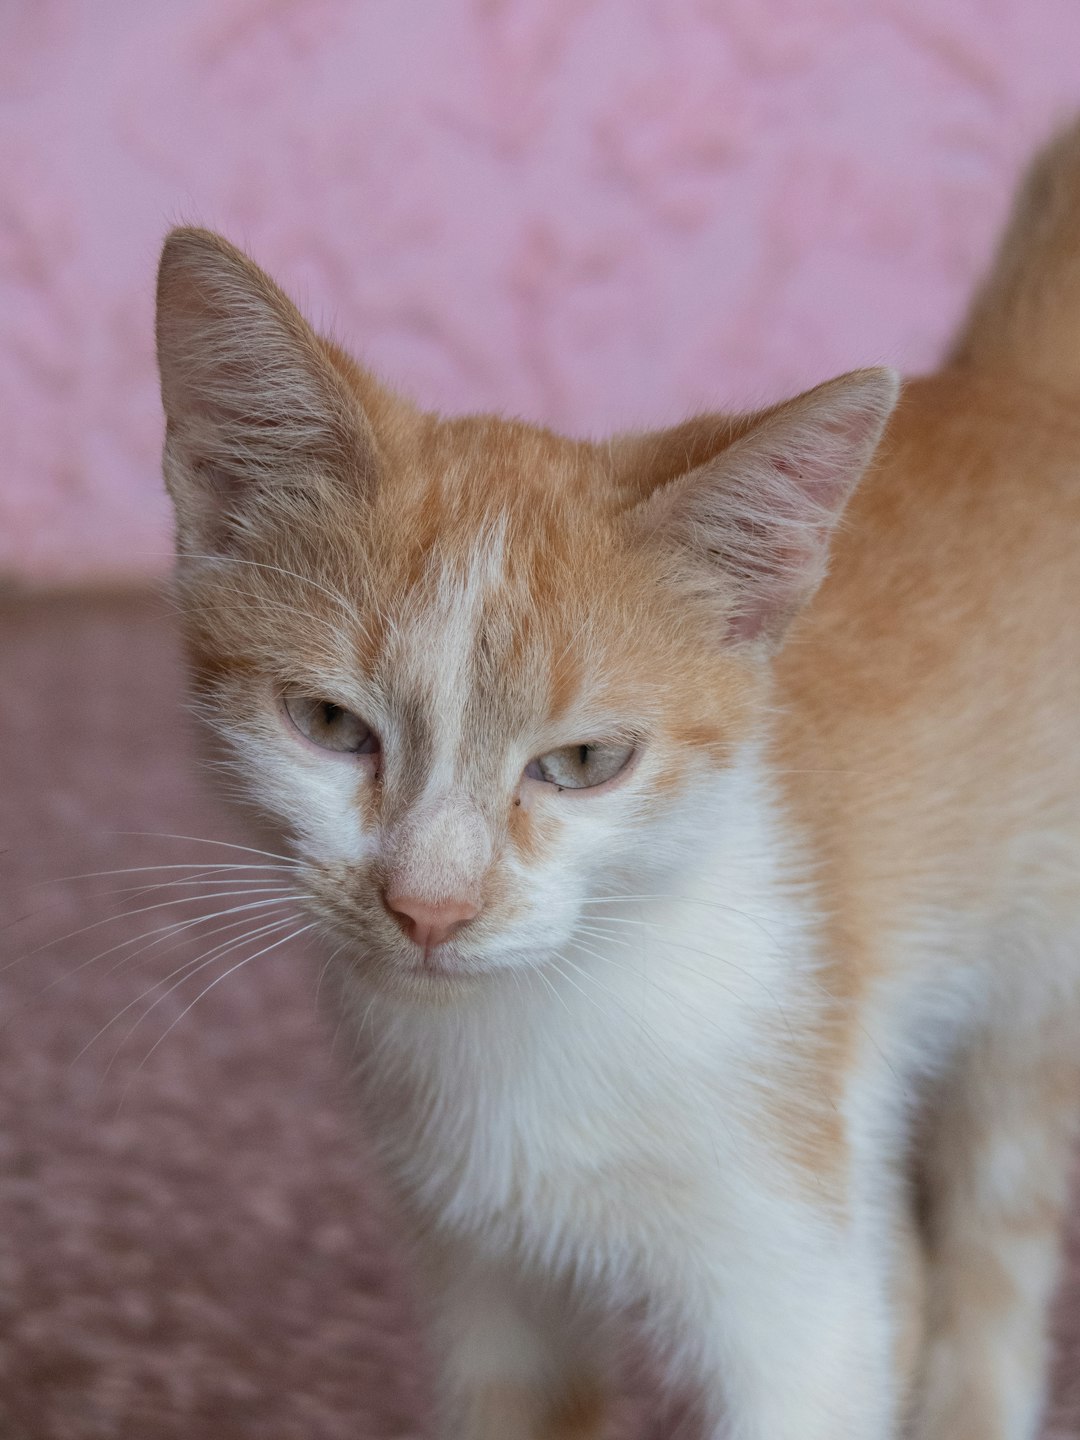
{"points": [[478, 673]]}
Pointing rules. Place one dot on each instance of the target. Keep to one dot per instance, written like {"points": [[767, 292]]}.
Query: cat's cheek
{"points": [[534, 830], [561, 847], [325, 807], [542, 909]]}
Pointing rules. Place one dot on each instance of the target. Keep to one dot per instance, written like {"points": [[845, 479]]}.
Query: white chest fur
{"points": [[626, 1089]]}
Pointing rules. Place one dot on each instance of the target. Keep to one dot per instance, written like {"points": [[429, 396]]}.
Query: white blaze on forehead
{"points": [[442, 640], [442, 847]]}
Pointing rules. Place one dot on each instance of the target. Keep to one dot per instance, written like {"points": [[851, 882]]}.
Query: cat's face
{"points": [[471, 721], [480, 675]]}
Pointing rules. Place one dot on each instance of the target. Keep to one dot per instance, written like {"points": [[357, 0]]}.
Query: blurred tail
{"points": [[1025, 318]]}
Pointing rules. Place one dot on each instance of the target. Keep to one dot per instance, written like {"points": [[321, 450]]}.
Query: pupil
{"points": [[331, 712], [583, 755]]}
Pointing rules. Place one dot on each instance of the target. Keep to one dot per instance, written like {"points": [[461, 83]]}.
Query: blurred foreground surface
{"points": [[192, 1243]]}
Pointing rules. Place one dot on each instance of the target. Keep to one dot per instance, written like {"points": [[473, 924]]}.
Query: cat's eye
{"points": [[330, 726], [581, 767]]}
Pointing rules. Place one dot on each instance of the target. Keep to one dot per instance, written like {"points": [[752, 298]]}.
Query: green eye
{"points": [[581, 767], [330, 726]]}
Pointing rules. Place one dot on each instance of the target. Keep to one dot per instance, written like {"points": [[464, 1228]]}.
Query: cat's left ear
{"points": [[754, 523]]}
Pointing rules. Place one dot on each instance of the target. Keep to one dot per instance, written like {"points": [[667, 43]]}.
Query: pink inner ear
{"points": [[778, 590], [761, 515], [746, 625], [824, 486], [782, 562]]}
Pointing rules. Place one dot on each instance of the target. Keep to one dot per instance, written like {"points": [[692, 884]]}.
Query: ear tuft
{"points": [[251, 398], [760, 516]]}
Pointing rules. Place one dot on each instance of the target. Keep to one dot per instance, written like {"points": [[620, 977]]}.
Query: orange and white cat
{"points": [[712, 932]]}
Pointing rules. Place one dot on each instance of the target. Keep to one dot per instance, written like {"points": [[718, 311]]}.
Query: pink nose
{"points": [[428, 922]]}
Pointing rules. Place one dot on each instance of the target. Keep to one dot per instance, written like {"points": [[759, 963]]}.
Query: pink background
{"points": [[590, 212]]}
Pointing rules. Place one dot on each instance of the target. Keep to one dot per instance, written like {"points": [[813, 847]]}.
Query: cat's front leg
{"points": [[791, 1338], [514, 1360], [997, 1167]]}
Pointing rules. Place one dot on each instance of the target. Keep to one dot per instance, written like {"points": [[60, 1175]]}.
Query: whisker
{"points": [[193, 966], [207, 957], [722, 905], [643, 1027], [667, 944], [557, 961], [182, 928], [719, 905], [812, 979], [713, 979], [539, 972], [323, 972], [111, 919], [203, 840], [362, 1027], [605, 989], [200, 865], [231, 970], [256, 885], [341, 1008], [163, 930], [603, 935]]}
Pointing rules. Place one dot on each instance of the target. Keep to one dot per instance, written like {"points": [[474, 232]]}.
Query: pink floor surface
{"points": [[192, 1241]]}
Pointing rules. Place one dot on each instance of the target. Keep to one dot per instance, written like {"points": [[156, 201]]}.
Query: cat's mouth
{"points": [[378, 955], [398, 966], [438, 981], [444, 963]]}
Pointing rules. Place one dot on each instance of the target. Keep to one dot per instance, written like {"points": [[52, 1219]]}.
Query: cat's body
{"points": [[771, 1040]]}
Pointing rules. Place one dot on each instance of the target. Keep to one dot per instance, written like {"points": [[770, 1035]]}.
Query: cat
{"points": [[710, 926]]}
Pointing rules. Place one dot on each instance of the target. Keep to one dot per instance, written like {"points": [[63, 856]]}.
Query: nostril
{"points": [[429, 922]]}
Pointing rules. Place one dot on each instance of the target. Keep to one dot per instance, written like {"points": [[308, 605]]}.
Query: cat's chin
{"points": [[436, 979], [430, 979]]}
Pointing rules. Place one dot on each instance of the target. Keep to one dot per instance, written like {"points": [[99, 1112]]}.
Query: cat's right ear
{"points": [[255, 409]]}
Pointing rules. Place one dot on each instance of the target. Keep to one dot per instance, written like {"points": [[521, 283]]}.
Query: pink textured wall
{"points": [[590, 212]]}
